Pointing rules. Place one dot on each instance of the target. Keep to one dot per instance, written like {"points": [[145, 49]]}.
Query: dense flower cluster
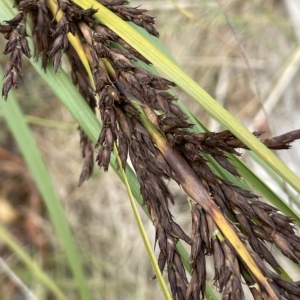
{"points": [[119, 83]]}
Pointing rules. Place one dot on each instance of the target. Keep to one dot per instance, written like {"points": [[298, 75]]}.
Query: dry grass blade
{"points": [[25, 290]]}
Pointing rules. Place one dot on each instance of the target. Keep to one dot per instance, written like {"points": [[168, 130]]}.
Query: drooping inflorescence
{"points": [[117, 86]]}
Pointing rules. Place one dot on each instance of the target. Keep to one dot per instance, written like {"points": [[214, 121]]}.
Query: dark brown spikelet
{"points": [[199, 249], [16, 46], [109, 132], [60, 41], [124, 93], [42, 28], [135, 15]]}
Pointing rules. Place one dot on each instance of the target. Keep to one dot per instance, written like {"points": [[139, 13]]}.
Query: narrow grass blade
{"points": [[280, 183], [28, 294], [143, 232], [37, 272], [33, 120], [159, 60], [32, 156]]}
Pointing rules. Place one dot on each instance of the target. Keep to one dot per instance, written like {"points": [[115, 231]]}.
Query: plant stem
{"points": [[143, 232]]}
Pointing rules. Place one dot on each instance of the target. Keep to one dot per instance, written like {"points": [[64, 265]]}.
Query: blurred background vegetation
{"points": [[244, 53]]}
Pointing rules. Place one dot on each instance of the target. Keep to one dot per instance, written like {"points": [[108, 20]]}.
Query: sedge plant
{"points": [[142, 122]]}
